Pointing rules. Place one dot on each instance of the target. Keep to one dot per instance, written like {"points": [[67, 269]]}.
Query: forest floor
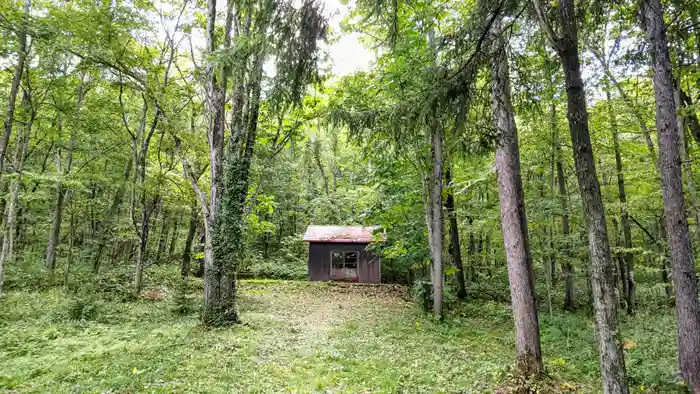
{"points": [[302, 337]]}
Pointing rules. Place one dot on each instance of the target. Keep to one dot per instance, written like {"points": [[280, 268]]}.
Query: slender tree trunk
{"points": [[513, 219], [682, 261], [187, 251], [454, 236], [632, 108], [71, 241], [105, 227], [686, 163], [628, 274], [173, 237], [163, 238], [7, 253], [567, 267], [693, 123], [662, 253], [612, 362], [435, 225], [55, 232], [14, 89]]}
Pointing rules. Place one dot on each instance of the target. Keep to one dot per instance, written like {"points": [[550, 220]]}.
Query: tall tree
{"points": [[612, 362], [455, 247], [676, 221], [513, 219], [16, 80], [627, 269]]}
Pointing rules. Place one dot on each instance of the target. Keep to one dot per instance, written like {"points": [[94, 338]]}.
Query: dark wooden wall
{"points": [[368, 267]]}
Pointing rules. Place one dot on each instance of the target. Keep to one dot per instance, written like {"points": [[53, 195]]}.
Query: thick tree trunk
{"points": [[682, 261], [187, 251], [628, 274], [455, 248], [219, 264], [513, 220], [611, 357], [14, 89]]}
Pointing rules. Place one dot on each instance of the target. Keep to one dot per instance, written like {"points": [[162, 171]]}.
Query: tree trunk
{"points": [[454, 236], [632, 108], [163, 238], [187, 251], [567, 267], [612, 362], [173, 237], [435, 216], [682, 260], [71, 241], [628, 274], [55, 232], [105, 227], [219, 265], [513, 219], [14, 89], [693, 123], [686, 163], [7, 253], [662, 253]]}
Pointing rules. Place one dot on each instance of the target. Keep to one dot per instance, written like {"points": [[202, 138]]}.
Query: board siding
{"points": [[368, 268]]}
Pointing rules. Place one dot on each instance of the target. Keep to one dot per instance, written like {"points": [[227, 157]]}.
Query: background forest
{"points": [[177, 150]]}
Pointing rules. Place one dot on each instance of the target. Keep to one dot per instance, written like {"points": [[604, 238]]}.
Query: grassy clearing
{"points": [[302, 337]]}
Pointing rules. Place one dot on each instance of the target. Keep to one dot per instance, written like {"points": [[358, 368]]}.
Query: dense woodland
{"points": [[536, 153]]}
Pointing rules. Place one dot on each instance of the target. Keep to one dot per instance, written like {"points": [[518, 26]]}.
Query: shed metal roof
{"points": [[339, 234]]}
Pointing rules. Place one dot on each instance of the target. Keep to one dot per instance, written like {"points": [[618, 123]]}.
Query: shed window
{"points": [[347, 260]]}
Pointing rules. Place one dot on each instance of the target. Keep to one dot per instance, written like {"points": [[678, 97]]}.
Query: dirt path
{"points": [[308, 313]]}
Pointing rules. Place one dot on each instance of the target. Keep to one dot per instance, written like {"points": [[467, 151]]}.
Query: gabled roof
{"points": [[340, 234]]}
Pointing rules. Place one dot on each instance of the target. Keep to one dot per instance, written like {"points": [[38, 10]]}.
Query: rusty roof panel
{"points": [[345, 234]]}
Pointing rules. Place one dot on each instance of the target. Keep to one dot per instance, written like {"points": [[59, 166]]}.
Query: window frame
{"points": [[344, 262]]}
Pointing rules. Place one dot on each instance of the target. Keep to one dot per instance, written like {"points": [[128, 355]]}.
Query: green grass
{"points": [[303, 337]]}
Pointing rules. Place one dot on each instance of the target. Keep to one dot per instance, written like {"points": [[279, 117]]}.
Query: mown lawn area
{"points": [[305, 338]]}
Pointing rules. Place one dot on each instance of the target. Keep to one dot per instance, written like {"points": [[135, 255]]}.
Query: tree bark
{"points": [[219, 277], [612, 362], [682, 260], [513, 219], [628, 274], [14, 89], [187, 251], [455, 248]]}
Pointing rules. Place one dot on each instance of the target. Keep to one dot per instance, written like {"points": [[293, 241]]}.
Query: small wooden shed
{"points": [[340, 253]]}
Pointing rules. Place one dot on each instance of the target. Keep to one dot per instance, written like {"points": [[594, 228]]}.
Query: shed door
{"points": [[344, 265]]}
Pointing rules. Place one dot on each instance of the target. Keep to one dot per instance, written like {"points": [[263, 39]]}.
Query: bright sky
{"points": [[347, 54]]}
